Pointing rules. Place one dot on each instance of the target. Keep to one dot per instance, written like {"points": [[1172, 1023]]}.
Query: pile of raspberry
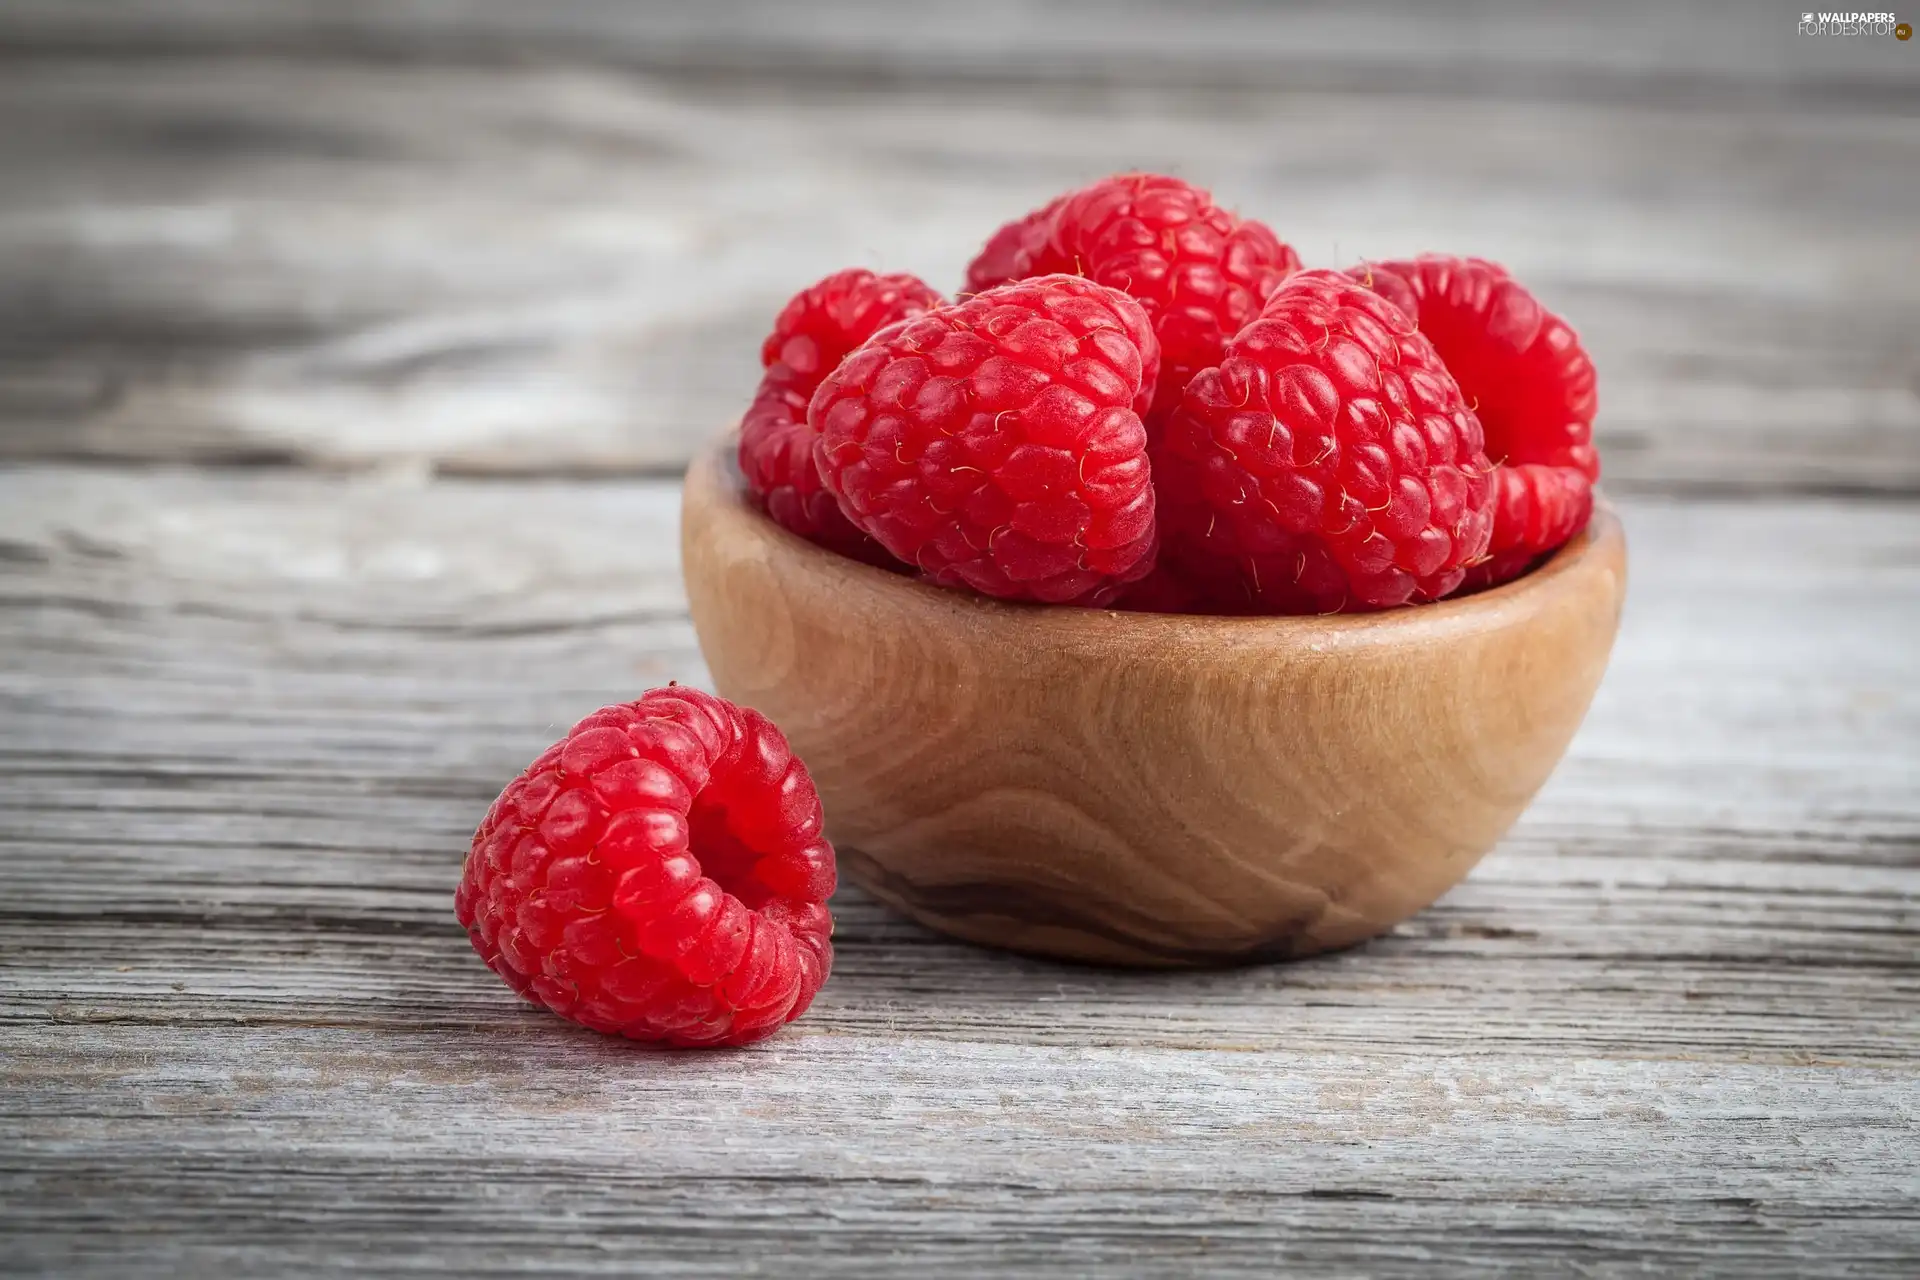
{"points": [[1141, 401]]}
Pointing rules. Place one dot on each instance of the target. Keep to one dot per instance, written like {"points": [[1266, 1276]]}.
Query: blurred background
{"points": [[486, 236]]}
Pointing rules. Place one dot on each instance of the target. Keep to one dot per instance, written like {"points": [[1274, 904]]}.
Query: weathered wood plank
{"points": [[531, 1149], [1632, 50], [250, 234], [247, 721], [275, 699]]}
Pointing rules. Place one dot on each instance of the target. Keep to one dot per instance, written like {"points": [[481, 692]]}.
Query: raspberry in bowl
{"points": [[1184, 607], [1140, 788]]}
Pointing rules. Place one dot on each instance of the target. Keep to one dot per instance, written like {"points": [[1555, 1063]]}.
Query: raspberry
{"points": [[1521, 367], [1536, 508], [1011, 251], [1163, 591], [659, 873], [995, 443], [1328, 463], [1201, 272], [776, 457], [813, 334], [820, 325], [1531, 383]]}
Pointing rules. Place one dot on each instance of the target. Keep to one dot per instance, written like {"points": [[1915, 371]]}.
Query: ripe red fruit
{"points": [[1165, 590], [814, 332], [659, 873], [1011, 252], [1521, 367], [996, 443], [1536, 509], [1329, 463], [1200, 271], [1533, 387]]}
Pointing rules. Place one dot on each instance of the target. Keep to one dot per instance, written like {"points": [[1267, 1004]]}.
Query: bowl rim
{"points": [[1600, 545]]}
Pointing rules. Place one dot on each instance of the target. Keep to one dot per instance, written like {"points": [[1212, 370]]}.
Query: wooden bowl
{"points": [[1148, 789]]}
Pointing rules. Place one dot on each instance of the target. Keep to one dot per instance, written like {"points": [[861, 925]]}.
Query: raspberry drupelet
{"points": [[1011, 252], [1201, 272], [659, 873], [996, 443], [1328, 463], [812, 335], [1536, 508], [1531, 384]]}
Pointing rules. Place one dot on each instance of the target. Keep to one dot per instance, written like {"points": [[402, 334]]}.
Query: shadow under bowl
{"points": [[1148, 789]]}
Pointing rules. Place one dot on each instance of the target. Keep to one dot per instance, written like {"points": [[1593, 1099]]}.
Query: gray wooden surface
{"points": [[348, 354]]}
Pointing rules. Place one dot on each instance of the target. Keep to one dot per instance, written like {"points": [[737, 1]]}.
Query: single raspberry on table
{"points": [[1200, 271], [1328, 463], [1531, 384], [996, 444], [813, 334], [659, 873]]}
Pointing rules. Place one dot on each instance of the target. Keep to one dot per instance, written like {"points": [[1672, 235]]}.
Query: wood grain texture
{"points": [[248, 720], [1633, 50], [1144, 789], [273, 1150], [479, 237]]}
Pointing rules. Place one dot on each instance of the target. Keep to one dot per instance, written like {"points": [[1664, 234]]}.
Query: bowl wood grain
{"points": [[1148, 789]]}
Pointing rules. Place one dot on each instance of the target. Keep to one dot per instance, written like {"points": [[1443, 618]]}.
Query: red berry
{"points": [[1521, 367], [776, 457], [996, 444], [1011, 251], [1165, 590], [813, 334], [1532, 386], [1201, 272], [1536, 509], [659, 873], [1328, 463]]}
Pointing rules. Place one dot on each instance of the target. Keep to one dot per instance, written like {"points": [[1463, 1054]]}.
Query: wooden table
{"points": [[348, 357]]}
